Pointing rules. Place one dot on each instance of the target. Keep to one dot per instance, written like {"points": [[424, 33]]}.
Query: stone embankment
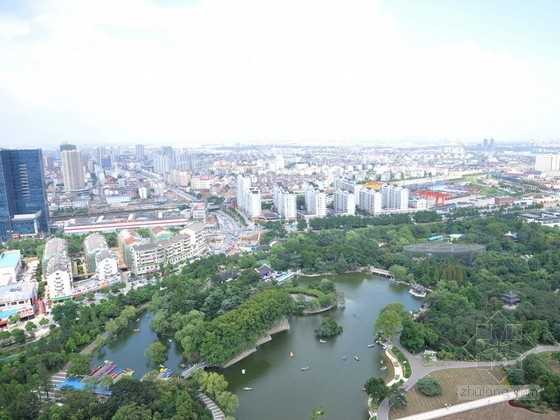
{"points": [[280, 326]]}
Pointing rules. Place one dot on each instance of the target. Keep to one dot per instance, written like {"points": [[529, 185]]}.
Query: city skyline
{"points": [[196, 72]]}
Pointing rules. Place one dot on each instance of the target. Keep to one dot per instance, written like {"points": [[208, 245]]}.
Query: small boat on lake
{"points": [[247, 388], [291, 354], [136, 330], [322, 341], [170, 340], [182, 366], [138, 320], [383, 368], [371, 345], [344, 357], [356, 358], [305, 368], [243, 371]]}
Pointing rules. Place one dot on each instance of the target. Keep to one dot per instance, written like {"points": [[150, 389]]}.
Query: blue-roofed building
{"points": [[10, 267], [17, 299]]}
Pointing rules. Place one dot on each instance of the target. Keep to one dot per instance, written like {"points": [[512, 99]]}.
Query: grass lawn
{"points": [[449, 379]]}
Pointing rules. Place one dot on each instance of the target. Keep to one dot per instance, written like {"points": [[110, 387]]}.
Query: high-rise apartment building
{"points": [[162, 164], [350, 186], [140, 152], [23, 197], [284, 202], [370, 200], [315, 200], [248, 198], [394, 197], [547, 163], [72, 168], [344, 202], [253, 202], [243, 185]]}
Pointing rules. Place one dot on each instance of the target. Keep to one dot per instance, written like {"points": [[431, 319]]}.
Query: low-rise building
{"points": [[17, 299], [10, 267], [149, 257]]}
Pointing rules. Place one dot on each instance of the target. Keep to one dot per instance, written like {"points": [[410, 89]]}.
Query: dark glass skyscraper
{"points": [[23, 197]]}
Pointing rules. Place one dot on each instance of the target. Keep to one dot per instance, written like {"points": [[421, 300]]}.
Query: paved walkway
{"points": [[211, 405], [419, 370], [471, 405], [398, 371]]}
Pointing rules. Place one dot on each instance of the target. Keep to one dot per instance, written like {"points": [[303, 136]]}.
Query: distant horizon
{"points": [[397, 71], [380, 144]]}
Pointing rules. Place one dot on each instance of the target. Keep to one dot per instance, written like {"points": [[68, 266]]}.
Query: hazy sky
{"points": [[191, 72]]}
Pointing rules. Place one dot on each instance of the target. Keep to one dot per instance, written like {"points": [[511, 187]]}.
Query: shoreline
{"points": [[282, 325], [317, 311], [330, 274]]}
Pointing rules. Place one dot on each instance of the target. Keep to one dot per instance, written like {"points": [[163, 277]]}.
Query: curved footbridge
{"points": [[188, 372]]}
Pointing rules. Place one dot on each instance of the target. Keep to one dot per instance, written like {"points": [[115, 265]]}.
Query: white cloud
{"points": [[219, 70]]}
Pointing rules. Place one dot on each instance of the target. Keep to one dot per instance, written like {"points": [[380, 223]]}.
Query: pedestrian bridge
{"points": [[188, 372]]}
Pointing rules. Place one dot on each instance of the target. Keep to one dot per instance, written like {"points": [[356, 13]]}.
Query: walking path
{"points": [[419, 370], [398, 371], [211, 405], [471, 405]]}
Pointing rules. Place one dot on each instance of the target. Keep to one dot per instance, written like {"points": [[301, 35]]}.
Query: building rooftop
{"points": [[163, 243], [94, 242], [195, 227], [59, 263], [19, 291], [104, 254], [10, 258], [55, 246]]}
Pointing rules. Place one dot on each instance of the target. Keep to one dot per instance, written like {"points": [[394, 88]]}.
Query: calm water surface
{"points": [[280, 389], [127, 348]]}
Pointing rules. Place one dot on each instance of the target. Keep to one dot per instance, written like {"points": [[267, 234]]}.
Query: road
{"points": [[230, 228], [419, 370], [471, 405]]}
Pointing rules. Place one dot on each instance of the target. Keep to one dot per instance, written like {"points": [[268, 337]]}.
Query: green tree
{"points": [[79, 365], [328, 328], [30, 326], [157, 353], [389, 321], [19, 335], [397, 396], [133, 412], [376, 389], [44, 321], [65, 315], [429, 386]]}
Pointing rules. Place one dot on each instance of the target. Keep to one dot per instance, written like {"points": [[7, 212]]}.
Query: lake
{"points": [[281, 390]]}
